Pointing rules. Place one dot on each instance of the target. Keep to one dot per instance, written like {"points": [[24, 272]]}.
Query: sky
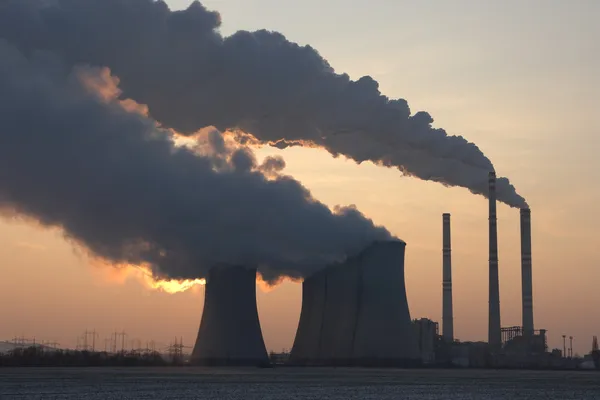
{"points": [[518, 78]]}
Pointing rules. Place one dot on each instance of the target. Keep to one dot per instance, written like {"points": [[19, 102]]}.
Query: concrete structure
{"points": [[230, 331], [356, 313], [494, 328], [515, 340], [426, 332], [526, 273], [307, 343], [447, 312], [470, 354]]}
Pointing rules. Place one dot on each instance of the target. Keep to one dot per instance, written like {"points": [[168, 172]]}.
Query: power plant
{"points": [[230, 333], [356, 313]]}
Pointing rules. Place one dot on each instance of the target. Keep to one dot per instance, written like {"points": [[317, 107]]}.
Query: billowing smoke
{"points": [[74, 156], [281, 93]]}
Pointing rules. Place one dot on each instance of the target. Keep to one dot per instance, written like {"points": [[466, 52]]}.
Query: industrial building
{"points": [[356, 313], [516, 339], [427, 333], [230, 333]]}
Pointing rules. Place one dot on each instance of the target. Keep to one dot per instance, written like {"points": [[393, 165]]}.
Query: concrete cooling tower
{"points": [[230, 333], [356, 313]]}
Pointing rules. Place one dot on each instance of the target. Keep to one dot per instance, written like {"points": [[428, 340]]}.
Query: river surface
{"points": [[292, 383]]}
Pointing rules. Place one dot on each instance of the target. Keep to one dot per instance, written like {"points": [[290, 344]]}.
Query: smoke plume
{"points": [[279, 92], [74, 156]]}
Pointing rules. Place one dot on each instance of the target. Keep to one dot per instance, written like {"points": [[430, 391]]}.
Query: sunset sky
{"points": [[518, 78]]}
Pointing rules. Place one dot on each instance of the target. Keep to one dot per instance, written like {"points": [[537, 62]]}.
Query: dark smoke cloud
{"points": [[282, 93], [73, 156]]}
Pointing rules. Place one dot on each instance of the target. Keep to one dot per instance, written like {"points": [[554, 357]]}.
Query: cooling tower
{"points": [[356, 313], [447, 313], [306, 346], [230, 333], [494, 331], [526, 273], [339, 313]]}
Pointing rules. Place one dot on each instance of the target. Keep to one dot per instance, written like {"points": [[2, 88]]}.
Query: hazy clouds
{"points": [[283, 94], [73, 156]]}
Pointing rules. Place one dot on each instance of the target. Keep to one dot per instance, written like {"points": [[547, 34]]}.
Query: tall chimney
{"points": [[447, 313], [494, 330], [526, 278]]}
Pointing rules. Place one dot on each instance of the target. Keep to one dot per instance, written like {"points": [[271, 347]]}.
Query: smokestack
{"points": [[526, 274], [494, 331], [447, 313]]}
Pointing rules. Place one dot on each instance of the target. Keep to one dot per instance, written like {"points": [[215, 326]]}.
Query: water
{"points": [[293, 383]]}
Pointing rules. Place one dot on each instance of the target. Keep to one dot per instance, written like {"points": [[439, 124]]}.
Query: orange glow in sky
{"points": [[143, 274], [522, 85]]}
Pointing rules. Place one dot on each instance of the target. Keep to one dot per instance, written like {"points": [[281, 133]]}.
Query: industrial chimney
{"points": [[494, 327], [526, 273], [447, 313], [230, 333]]}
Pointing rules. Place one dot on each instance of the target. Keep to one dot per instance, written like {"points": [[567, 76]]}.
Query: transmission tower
{"points": [[151, 346], [116, 335], [52, 345], [176, 350], [136, 345], [22, 341], [86, 345], [81, 343]]}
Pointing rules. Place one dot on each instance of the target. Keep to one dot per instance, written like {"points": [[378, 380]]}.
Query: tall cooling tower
{"points": [[526, 274], [230, 333], [305, 350], [447, 312], [494, 328], [384, 334], [356, 313], [339, 314]]}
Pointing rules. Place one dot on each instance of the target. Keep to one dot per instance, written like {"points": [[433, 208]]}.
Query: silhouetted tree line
{"points": [[38, 357]]}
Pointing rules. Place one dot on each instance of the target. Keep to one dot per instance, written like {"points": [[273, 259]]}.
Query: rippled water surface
{"points": [[292, 383]]}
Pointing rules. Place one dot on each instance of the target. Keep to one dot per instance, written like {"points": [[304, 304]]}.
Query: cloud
{"points": [[281, 93], [73, 156]]}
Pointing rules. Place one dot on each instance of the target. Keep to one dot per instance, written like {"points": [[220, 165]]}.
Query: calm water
{"points": [[291, 383]]}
